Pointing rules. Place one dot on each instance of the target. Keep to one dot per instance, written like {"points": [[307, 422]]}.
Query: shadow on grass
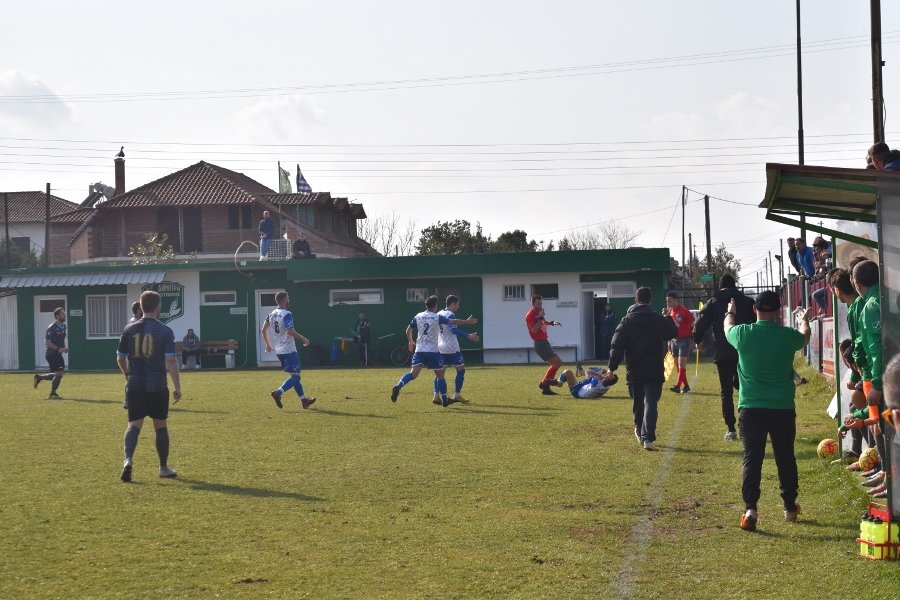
{"points": [[337, 413], [541, 409], [94, 401], [737, 451], [536, 412], [237, 490]]}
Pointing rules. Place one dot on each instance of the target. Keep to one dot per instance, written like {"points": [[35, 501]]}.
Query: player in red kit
{"points": [[537, 329], [681, 346]]}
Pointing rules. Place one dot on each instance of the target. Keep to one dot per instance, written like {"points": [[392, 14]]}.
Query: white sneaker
{"points": [[648, 445], [167, 471], [730, 436], [637, 435]]}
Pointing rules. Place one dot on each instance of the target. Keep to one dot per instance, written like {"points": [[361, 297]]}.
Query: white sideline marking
{"points": [[623, 583]]}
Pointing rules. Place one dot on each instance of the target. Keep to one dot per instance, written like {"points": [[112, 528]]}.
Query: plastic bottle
{"points": [[879, 536], [864, 533], [894, 535]]}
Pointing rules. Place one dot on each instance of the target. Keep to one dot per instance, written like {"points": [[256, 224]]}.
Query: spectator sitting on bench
{"points": [[301, 248], [190, 346]]}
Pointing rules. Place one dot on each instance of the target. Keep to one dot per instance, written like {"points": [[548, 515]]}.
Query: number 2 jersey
{"points": [[428, 324], [280, 320], [147, 343]]}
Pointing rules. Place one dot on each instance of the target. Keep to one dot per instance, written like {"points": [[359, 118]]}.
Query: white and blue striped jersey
{"points": [[447, 343], [280, 320], [428, 324]]}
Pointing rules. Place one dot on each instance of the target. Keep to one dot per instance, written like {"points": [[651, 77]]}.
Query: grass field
{"points": [[517, 495]]}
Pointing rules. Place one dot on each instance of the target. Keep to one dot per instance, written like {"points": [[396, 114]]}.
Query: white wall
{"points": [[503, 323], [9, 341], [191, 317], [35, 231]]}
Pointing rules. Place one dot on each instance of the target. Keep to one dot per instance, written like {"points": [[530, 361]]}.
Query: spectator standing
{"points": [[792, 254], [805, 258], [607, 327], [266, 235], [640, 340], [681, 345], [713, 317], [136, 312], [190, 346], [362, 334], [765, 364]]}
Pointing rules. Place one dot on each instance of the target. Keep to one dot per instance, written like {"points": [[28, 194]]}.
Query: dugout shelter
{"points": [[858, 195]]}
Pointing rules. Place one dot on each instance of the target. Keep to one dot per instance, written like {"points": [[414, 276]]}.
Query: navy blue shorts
{"points": [[453, 360]]}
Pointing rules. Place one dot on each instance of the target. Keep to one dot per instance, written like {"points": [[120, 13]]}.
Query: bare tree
{"points": [[605, 236], [385, 234]]}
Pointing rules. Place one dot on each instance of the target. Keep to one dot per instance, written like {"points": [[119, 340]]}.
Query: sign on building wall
{"points": [[171, 297], [828, 347]]}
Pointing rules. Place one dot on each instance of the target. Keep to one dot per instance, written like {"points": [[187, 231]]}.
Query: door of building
{"points": [[265, 303], [43, 310]]}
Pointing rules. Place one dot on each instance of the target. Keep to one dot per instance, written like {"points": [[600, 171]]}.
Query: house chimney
{"points": [[120, 172]]}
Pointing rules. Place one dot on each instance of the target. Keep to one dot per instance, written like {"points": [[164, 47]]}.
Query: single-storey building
{"points": [[229, 301]]}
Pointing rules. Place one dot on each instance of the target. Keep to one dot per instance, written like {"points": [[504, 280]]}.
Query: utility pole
{"points": [[683, 266], [6, 221], [709, 263], [691, 255], [781, 262], [800, 113], [771, 273], [47, 229], [877, 64]]}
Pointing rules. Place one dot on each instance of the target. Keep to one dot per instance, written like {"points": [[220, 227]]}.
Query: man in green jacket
{"points": [[766, 406]]}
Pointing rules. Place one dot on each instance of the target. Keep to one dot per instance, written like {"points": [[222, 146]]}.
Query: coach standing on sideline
{"points": [[766, 398], [146, 351], [641, 340]]}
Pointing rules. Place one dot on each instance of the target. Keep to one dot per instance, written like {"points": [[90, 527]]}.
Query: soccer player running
{"points": [[55, 341], [281, 323], [766, 406], [146, 351], [681, 345], [595, 385], [425, 348], [448, 346], [537, 329]]}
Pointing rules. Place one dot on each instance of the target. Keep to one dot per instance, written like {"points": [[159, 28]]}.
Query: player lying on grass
{"points": [[595, 385]]}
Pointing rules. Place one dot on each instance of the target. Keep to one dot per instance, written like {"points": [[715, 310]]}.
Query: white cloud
{"points": [[40, 107], [278, 119], [740, 115]]}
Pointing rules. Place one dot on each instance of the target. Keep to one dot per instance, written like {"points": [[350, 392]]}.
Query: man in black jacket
{"points": [[726, 357], [641, 340]]}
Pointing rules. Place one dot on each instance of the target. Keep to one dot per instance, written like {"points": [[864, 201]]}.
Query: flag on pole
{"points": [[284, 181], [302, 185]]}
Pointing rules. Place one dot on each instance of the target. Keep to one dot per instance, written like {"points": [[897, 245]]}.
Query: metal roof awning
{"points": [[76, 279], [824, 193]]}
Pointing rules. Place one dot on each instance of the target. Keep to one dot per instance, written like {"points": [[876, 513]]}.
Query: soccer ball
{"points": [[868, 459], [828, 448]]}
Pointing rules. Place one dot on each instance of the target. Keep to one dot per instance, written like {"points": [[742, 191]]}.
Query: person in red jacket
{"points": [[680, 346], [537, 329]]}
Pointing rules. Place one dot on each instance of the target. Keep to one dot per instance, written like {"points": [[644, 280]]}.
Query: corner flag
{"points": [[302, 185]]}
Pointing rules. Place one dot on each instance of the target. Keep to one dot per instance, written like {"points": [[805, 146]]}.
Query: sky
{"points": [[525, 115]]}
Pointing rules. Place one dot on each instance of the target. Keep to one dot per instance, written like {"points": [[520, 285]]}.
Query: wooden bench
{"points": [[224, 348]]}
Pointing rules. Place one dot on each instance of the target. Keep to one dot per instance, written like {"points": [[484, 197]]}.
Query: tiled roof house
{"points": [[27, 212], [208, 210]]}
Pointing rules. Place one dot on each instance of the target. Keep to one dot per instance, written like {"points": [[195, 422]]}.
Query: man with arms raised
{"points": [[766, 402]]}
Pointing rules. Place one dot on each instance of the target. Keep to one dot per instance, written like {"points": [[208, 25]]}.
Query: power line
{"points": [[828, 45]]}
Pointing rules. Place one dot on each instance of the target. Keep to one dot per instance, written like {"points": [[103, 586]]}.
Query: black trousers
{"points": [[728, 382], [756, 425]]}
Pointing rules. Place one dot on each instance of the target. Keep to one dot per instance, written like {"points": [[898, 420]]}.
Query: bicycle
{"points": [[399, 355]]}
